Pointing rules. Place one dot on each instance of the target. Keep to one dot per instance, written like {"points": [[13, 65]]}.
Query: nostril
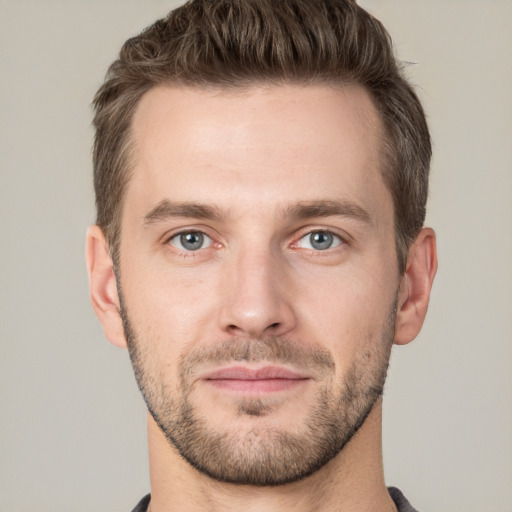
{"points": [[233, 328]]}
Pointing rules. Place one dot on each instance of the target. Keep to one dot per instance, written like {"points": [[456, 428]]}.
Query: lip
{"points": [[241, 379]]}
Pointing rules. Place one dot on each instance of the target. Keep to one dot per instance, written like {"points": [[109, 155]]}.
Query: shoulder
{"points": [[142, 506], [401, 502]]}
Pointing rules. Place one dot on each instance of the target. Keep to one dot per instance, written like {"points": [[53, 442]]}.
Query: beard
{"points": [[262, 454]]}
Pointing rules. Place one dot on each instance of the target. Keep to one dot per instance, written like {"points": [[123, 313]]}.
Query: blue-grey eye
{"points": [[191, 241], [319, 240]]}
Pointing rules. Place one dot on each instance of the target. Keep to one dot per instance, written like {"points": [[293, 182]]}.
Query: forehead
{"points": [[282, 141]]}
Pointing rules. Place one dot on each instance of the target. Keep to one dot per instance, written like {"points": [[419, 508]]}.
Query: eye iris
{"points": [[321, 240], [192, 241]]}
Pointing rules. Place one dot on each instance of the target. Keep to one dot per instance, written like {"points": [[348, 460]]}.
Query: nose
{"points": [[256, 299]]}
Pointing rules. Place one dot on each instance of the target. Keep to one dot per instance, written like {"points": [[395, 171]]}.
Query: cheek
{"points": [[166, 302], [350, 314]]}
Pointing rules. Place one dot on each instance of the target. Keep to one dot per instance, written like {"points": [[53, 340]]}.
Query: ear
{"points": [[415, 287], [103, 286]]}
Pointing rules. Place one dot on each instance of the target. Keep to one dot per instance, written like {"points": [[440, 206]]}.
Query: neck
{"points": [[352, 481]]}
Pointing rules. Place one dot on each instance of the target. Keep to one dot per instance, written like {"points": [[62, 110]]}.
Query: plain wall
{"points": [[72, 427]]}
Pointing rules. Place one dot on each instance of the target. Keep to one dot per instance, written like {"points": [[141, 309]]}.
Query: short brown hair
{"points": [[237, 43]]}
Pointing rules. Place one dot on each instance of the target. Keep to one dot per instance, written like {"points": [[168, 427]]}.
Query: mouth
{"points": [[254, 381]]}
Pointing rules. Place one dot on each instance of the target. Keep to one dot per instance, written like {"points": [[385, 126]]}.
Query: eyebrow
{"points": [[303, 210], [167, 209], [328, 208]]}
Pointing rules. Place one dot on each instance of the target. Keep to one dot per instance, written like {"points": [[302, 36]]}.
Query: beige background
{"points": [[72, 431]]}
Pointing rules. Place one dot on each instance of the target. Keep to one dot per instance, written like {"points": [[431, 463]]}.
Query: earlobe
{"points": [[415, 287], [103, 286]]}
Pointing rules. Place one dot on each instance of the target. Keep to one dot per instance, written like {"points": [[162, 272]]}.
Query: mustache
{"points": [[272, 349]]}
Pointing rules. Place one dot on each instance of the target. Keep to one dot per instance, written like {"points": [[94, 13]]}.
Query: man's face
{"points": [[258, 274]]}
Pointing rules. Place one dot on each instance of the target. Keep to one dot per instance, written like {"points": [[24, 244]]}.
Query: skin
{"points": [[254, 157]]}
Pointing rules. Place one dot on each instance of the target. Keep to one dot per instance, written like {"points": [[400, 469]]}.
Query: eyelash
{"points": [[337, 239], [189, 252]]}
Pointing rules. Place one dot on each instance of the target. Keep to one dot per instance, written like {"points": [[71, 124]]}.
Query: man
{"points": [[261, 173]]}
